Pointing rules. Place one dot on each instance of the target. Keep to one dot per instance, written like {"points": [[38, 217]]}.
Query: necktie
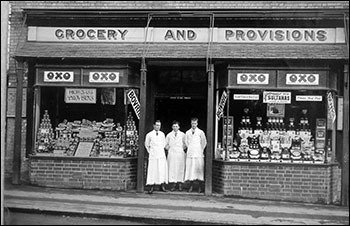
{"points": [[175, 134], [192, 132], [156, 133]]}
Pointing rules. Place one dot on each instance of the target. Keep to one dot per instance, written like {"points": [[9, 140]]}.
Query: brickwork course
{"points": [[84, 173], [304, 183]]}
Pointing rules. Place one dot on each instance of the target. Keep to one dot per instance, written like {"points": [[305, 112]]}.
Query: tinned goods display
{"points": [[276, 141], [103, 139]]}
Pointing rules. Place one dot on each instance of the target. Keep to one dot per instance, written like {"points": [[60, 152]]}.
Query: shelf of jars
{"points": [[84, 138], [274, 142]]}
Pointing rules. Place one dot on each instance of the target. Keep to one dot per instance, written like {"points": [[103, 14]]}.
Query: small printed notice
{"points": [[81, 96], [84, 149], [308, 98], [246, 96]]}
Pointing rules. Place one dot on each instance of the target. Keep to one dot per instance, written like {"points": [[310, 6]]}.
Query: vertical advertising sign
{"points": [[220, 107], [331, 108], [134, 102]]}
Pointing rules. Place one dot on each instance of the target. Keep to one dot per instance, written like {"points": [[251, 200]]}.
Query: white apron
{"points": [[176, 156], [195, 157], [157, 170]]}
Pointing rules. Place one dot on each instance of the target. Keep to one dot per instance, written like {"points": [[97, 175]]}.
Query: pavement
{"points": [[170, 207]]}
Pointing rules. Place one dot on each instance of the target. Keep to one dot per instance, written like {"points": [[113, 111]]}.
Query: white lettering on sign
{"points": [[134, 102], [220, 107], [246, 96], [192, 35], [85, 34], [83, 96], [282, 35], [308, 98], [104, 77], [277, 97], [58, 76], [253, 78], [182, 35], [302, 79]]}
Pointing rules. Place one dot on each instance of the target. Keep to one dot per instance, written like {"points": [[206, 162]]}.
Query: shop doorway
{"points": [[182, 110]]}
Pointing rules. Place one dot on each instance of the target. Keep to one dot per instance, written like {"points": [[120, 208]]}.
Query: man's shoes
{"points": [[151, 190], [162, 188], [190, 189], [199, 189], [173, 188], [180, 187]]}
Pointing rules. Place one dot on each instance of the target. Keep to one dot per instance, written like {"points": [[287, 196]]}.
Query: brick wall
{"points": [[290, 182], [65, 172]]}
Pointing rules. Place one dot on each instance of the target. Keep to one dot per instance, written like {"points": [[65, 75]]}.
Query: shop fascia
{"points": [[192, 35]]}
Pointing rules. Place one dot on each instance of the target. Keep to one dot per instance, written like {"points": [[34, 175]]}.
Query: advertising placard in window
{"points": [[82, 96]]}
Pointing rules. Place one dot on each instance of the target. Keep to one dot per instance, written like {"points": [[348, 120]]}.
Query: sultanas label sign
{"points": [[277, 97]]}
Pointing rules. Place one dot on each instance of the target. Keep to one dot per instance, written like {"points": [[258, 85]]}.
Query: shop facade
{"points": [[269, 92]]}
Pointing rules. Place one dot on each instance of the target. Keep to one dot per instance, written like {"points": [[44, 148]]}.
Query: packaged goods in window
{"points": [[106, 139], [276, 141], [45, 136], [264, 141], [286, 143], [254, 148]]}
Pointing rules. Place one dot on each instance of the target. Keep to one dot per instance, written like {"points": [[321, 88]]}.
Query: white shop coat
{"points": [[157, 170], [176, 156], [195, 142]]}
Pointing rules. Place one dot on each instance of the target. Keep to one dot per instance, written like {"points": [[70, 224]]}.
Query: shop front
{"points": [[267, 98], [275, 137], [85, 128]]}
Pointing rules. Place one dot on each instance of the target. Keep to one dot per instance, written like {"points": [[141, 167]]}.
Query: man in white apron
{"points": [[175, 144], [195, 141], [157, 171]]}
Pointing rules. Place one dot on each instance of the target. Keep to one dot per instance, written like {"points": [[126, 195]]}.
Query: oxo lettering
{"points": [[104, 77], [302, 78], [57, 76], [252, 78]]}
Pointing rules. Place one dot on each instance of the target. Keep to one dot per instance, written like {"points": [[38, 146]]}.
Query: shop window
{"points": [[86, 122], [274, 126]]}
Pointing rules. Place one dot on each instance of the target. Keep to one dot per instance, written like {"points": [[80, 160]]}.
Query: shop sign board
{"points": [[302, 79], [82, 96], [220, 108], [253, 78], [308, 98], [277, 97], [246, 96], [58, 76], [189, 35], [103, 77], [134, 102]]}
